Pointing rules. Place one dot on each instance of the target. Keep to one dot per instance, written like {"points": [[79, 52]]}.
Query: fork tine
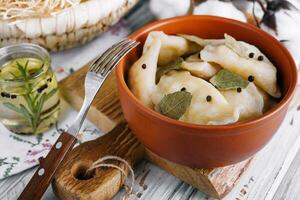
{"points": [[116, 59], [102, 57], [102, 65], [115, 51]]}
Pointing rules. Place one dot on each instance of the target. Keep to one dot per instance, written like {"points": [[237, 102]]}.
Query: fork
{"points": [[96, 75]]}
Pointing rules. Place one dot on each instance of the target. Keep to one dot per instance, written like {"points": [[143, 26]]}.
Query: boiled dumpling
{"points": [[202, 42], [217, 111], [248, 103], [193, 58], [244, 49], [200, 68], [231, 56], [269, 102], [142, 74], [172, 46]]}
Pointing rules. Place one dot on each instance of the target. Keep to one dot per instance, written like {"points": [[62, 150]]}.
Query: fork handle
{"points": [[48, 166]]}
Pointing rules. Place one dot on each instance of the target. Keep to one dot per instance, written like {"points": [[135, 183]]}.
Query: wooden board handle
{"points": [[72, 181], [48, 166]]}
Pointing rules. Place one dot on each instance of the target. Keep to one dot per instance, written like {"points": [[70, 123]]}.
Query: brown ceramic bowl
{"points": [[207, 145]]}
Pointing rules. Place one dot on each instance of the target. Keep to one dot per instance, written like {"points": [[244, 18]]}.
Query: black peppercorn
{"points": [[13, 96], [208, 98], [5, 94], [183, 89], [71, 70], [39, 90], [49, 79], [260, 58], [144, 66], [251, 55], [239, 90], [250, 78]]}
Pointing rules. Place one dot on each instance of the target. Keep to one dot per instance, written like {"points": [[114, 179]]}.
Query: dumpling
{"points": [[200, 68], [141, 79], [193, 58], [172, 46], [269, 102], [248, 103], [243, 49], [217, 111], [232, 56], [202, 42]]}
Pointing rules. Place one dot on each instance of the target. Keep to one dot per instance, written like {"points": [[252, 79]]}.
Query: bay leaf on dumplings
{"points": [[174, 65], [175, 104], [227, 80]]}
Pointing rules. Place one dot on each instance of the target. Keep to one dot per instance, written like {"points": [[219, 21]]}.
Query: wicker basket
{"points": [[71, 26]]}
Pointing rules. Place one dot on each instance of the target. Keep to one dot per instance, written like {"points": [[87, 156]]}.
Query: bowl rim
{"points": [[157, 116]]}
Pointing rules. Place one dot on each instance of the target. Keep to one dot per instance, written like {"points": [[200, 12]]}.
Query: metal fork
{"points": [[94, 79]]}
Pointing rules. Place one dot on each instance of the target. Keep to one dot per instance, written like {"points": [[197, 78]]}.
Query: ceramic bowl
{"points": [[207, 145]]}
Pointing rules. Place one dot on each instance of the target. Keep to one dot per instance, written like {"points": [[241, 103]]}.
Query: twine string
{"points": [[99, 163]]}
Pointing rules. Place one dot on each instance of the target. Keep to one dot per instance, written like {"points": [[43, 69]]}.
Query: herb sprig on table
{"points": [[35, 100]]}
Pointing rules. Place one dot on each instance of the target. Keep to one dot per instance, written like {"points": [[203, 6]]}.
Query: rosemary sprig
{"points": [[34, 100]]}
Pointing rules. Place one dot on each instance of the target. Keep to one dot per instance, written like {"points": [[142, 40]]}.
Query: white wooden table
{"points": [[273, 174]]}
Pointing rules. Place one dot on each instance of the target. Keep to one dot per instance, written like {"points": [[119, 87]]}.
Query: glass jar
{"points": [[29, 96]]}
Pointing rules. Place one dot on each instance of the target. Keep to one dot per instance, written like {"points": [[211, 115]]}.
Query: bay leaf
{"points": [[227, 80], [174, 65], [175, 104]]}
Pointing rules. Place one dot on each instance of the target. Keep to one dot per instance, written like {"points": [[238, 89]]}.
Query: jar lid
{"points": [[23, 53]]}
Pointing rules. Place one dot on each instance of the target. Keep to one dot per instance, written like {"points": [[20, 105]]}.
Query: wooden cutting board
{"points": [[71, 182]]}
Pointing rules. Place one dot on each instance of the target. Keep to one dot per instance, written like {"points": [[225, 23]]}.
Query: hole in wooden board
{"points": [[79, 170]]}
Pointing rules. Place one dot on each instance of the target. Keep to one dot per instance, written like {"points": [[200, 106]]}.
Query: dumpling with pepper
{"points": [[142, 74], [248, 102], [208, 105], [237, 57]]}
